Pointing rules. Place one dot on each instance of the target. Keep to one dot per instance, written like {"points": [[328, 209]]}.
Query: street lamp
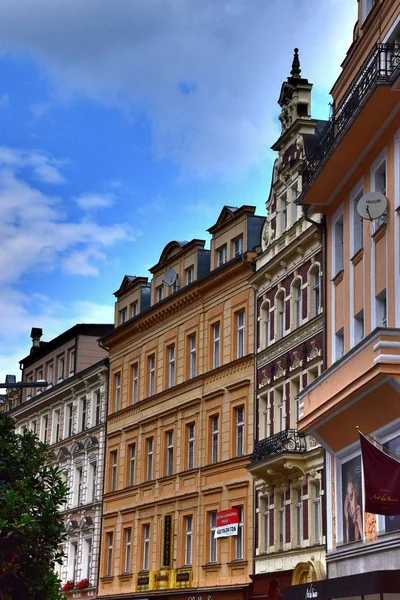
{"points": [[11, 383]]}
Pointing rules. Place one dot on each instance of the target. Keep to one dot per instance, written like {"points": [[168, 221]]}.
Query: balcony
{"points": [[365, 108], [279, 454]]}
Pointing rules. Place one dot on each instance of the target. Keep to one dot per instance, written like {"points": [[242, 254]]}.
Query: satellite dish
{"points": [[372, 206], [170, 277]]}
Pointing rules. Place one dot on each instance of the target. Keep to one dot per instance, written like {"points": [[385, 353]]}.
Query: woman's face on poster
{"points": [[351, 495]]}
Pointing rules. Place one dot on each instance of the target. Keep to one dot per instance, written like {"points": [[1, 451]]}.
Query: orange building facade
{"points": [[180, 421], [358, 153]]}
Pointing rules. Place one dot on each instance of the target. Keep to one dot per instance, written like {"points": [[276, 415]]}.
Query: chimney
{"points": [[36, 334]]}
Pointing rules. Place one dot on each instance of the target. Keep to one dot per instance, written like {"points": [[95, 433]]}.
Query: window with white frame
{"points": [[33, 426], [191, 432], [146, 547], [50, 374], [237, 246], [123, 315], [299, 516], [133, 309], [239, 545], [212, 521], [56, 426], [281, 521], [69, 420], [169, 442], [216, 341], [29, 390], [128, 547], [175, 285], [381, 309], [188, 519], [151, 368], [280, 314], [366, 8], [78, 488], [92, 477], [73, 561], [266, 522], [239, 438], [61, 367], [96, 407], [171, 365], [109, 547], [44, 424], [132, 463], [117, 391], [135, 383], [357, 223], [317, 514], [284, 213], [71, 361], [338, 234], [83, 413], [192, 355], [222, 255], [87, 559], [189, 275], [280, 408], [297, 303], [39, 377], [113, 467], [294, 393], [159, 292], [214, 438], [266, 324], [240, 333], [150, 453], [315, 291]]}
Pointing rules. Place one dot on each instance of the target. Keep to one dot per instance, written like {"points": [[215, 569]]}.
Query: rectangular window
{"points": [[222, 255], [239, 546], [338, 245], [109, 546], [117, 391], [135, 383], [56, 426], [78, 486], [151, 364], [71, 361], [381, 310], [69, 420], [159, 293], [189, 272], [339, 344], [316, 292], [113, 473], [266, 523], [39, 377], [238, 246], [192, 355], [150, 452], [212, 520], [44, 429], [88, 551], [92, 482], [297, 304], [61, 367], [33, 426], [49, 374], [216, 329], [83, 408], [97, 408], [128, 545], [239, 438], [190, 445], [169, 467], [171, 365], [299, 517], [146, 547], [74, 560], [281, 531], [132, 462], [133, 309], [280, 407], [241, 333], [295, 390], [29, 390], [123, 316], [214, 438], [317, 512], [188, 539], [359, 327], [284, 214]]}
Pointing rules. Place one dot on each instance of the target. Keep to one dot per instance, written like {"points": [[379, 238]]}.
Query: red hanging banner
{"points": [[381, 479]]}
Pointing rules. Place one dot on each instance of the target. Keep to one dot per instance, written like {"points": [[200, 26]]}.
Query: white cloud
{"points": [[91, 201], [207, 74], [44, 168]]}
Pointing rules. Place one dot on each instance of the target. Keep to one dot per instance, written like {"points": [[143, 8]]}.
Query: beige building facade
{"points": [[180, 421]]}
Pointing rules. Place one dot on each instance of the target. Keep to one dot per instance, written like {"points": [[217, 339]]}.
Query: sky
{"points": [[130, 123]]}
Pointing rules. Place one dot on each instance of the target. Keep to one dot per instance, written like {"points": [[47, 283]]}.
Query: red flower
{"points": [[83, 583], [69, 585]]}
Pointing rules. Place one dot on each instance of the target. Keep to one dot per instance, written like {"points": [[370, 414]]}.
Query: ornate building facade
{"points": [[288, 466], [69, 415], [180, 420], [359, 153]]}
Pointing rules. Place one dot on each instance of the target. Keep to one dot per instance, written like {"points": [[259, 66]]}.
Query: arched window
{"points": [[296, 303], [315, 291], [265, 324], [280, 314]]}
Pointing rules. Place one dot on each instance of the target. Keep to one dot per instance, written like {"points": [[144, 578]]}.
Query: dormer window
{"points": [[133, 309], [222, 255], [189, 275], [175, 285], [367, 7], [123, 316], [159, 292], [238, 246]]}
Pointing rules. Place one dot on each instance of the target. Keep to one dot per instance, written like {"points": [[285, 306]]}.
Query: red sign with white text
{"points": [[227, 523]]}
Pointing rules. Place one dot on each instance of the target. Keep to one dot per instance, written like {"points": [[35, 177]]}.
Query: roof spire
{"points": [[295, 72]]}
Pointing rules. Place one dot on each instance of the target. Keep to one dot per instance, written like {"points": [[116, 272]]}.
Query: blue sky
{"points": [[130, 123]]}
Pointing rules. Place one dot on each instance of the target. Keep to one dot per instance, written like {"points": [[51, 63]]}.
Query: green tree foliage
{"points": [[31, 526]]}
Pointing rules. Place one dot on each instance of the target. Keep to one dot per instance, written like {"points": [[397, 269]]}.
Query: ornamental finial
{"points": [[295, 72]]}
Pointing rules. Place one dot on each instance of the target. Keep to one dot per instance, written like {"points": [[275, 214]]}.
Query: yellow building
{"points": [[180, 420], [359, 154]]}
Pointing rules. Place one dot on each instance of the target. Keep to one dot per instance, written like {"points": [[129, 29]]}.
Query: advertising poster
{"points": [[227, 523], [352, 501]]}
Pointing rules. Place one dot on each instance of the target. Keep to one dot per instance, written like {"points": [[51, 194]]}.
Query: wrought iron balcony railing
{"points": [[288, 440], [381, 67]]}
